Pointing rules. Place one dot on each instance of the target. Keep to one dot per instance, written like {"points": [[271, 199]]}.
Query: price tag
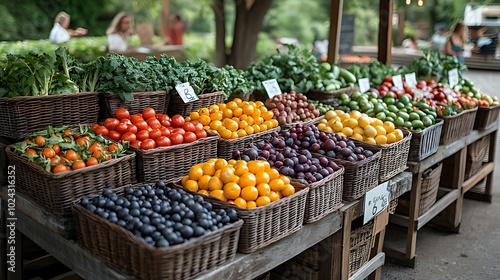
{"points": [[376, 201], [453, 77], [398, 82], [186, 92], [272, 88], [364, 85], [411, 79]]}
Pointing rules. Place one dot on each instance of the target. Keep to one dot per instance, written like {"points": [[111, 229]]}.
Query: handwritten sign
{"points": [[376, 201], [364, 85], [186, 92], [453, 77], [272, 88], [398, 81], [411, 79]]}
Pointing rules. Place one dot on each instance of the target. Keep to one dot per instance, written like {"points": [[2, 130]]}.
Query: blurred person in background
{"points": [[454, 45], [175, 31], [60, 32], [119, 33], [439, 39]]}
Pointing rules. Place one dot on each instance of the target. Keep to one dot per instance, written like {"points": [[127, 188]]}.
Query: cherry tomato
{"points": [[155, 134], [125, 121], [111, 123], [142, 135], [178, 130], [122, 113], [94, 126], [165, 121], [121, 128], [188, 126], [141, 125], [114, 135], [163, 141], [201, 134], [178, 121], [154, 123], [198, 126], [102, 130], [176, 138], [148, 144], [136, 118], [132, 128], [165, 131], [189, 137], [136, 144], [149, 113], [128, 136]]}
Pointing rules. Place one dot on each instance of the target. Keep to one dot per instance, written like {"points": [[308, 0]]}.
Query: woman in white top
{"points": [[119, 33], [60, 32]]}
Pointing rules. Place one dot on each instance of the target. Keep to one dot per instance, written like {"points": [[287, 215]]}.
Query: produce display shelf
{"points": [[369, 267]]}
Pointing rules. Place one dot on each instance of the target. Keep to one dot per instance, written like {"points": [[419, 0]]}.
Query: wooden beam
{"points": [[369, 267], [438, 207], [399, 257], [334, 35], [476, 178], [385, 31], [401, 25]]}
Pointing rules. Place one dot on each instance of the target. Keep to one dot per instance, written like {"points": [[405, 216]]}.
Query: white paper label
{"points": [[186, 92], [364, 85], [398, 82], [411, 79], [376, 201], [418, 94], [453, 77], [272, 88]]}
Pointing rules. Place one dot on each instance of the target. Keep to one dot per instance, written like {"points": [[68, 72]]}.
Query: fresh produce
{"points": [[360, 127], [300, 165], [160, 215], [401, 111], [149, 130], [332, 77], [245, 184], [375, 71], [434, 64], [323, 108], [235, 119], [292, 107], [36, 75], [388, 87], [483, 100], [59, 149]]}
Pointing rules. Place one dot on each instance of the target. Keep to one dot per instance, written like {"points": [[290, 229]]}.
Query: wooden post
{"points": [[411, 242], [165, 15], [401, 26], [335, 24], [385, 31]]}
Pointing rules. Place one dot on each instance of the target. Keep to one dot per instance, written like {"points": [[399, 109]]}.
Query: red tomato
{"points": [[382, 93], [126, 121], [136, 118], [136, 144], [132, 128], [165, 131], [102, 130], [178, 130], [142, 135], [149, 113], [163, 141], [94, 126], [114, 135], [188, 126], [154, 123], [198, 126], [121, 128], [201, 134], [155, 134], [128, 136], [148, 144], [165, 120], [178, 121], [141, 125], [176, 138], [122, 113], [384, 88], [388, 79], [111, 123], [189, 137]]}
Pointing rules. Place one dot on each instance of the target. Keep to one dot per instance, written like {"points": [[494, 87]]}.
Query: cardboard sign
{"points": [[376, 201], [186, 92], [364, 85], [272, 88]]}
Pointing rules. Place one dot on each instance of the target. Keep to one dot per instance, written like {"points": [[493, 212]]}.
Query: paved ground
{"points": [[474, 253]]}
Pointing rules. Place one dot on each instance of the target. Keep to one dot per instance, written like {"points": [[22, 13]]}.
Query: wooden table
{"points": [[39, 226], [449, 204]]}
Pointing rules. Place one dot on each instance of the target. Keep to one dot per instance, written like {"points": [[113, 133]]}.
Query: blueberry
{"points": [[129, 227], [176, 217], [113, 220], [186, 221], [178, 226], [123, 212], [162, 243], [119, 201], [160, 184], [129, 191], [198, 231], [148, 212], [126, 204], [233, 215], [226, 220], [134, 205], [147, 229], [107, 192], [135, 212], [122, 223], [145, 220], [146, 204], [84, 201], [155, 221], [161, 226], [187, 232], [137, 193]]}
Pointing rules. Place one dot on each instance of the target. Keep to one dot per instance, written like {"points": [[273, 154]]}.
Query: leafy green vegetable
{"points": [[435, 65]]}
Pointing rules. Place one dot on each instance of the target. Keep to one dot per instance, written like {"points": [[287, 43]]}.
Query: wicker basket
{"points": [[132, 256], [424, 143], [480, 187], [393, 205], [171, 163], [430, 185], [226, 147], [457, 126], [327, 97], [359, 176], [324, 197], [177, 106], [306, 123], [240, 95], [157, 100], [259, 96], [486, 116], [360, 241], [393, 157], [56, 192], [24, 115], [476, 153], [267, 224]]}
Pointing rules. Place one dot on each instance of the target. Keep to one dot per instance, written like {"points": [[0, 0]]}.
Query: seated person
{"points": [[119, 33], [60, 32]]}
